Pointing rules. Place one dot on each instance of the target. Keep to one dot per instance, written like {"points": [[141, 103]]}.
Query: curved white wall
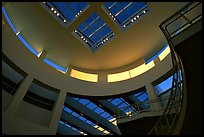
{"points": [[18, 53]]}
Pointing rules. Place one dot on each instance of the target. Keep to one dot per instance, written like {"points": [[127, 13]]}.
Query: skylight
{"points": [[93, 32], [122, 105], [66, 12], [126, 14], [85, 120]]}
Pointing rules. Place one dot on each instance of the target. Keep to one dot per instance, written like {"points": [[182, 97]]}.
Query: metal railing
{"points": [[167, 122]]}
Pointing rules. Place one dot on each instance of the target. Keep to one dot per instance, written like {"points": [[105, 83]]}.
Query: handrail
{"points": [[137, 107], [167, 122]]}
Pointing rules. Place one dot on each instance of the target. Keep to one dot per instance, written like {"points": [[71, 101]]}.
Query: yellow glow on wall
{"points": [[141, 69], [84, 76], [164, 53], [101, 129], [106, 132], [130, 73], [118, 76]]}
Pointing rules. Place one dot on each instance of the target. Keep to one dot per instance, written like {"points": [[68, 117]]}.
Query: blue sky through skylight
{"points": [[67, 11], [126, 13], [94, 32], [165, 85], [49, 62]]}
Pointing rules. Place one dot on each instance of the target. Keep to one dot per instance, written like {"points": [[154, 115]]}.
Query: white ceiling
{"points": [[43, 32]]}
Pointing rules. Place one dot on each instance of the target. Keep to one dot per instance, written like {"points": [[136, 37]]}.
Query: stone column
{"points": [[152, 96], [19, 95], [56, 111]]}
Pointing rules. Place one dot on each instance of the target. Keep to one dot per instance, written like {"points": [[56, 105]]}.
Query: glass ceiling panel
{"points": [[67, 12], [84, 101], [143, 97], [126, 14], [94, 32], [105, 115]]}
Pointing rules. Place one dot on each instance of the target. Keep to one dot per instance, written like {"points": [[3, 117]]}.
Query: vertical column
{"points": [[56, 112], [19, 95], [152, 96]]}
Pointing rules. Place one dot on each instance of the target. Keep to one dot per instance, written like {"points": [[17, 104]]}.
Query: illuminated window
{"points": [[60, 68], [66, 12], [141, 69], [131, 73], [93, 32], [84, 76], [126, 14], [157, 54], [165, 53], [17, 32], [119, 76], [164, 85]]}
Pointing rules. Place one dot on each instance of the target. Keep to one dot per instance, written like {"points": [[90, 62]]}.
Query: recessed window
{"points": [[66, 12], [94, 32], [17, 32], [126, 14], [59, 68], [84, 76]]}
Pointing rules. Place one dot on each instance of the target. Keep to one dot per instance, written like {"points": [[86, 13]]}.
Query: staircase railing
{"points": [[188, 15], [167, 122]]}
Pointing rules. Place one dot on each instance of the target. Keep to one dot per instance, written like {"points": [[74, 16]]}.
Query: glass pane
{"points": [[84, 101], [115, 9], [122, 106], [75, 114], [91, 106], [116, 101], [143, 97], [67, 110], [105, 114], [98, 110], [82, 118], [122, 17]]}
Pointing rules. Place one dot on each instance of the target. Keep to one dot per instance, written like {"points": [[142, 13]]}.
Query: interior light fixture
{"points": [[17, 33], [58, 14], [106, 38], [135, 18], [113, 18], [86, 41], [82, 37], [80, 11], [39, 54], [55, 11], [65, 21], [110, 14], [75, 15], [124, 26], [132, 20], [144, 11], [75, 31], [138, 16], [52, 8]]}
